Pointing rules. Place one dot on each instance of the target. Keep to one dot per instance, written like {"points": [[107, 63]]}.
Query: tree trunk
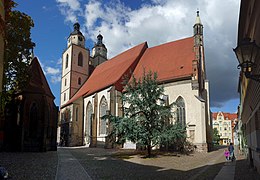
{"points": [[149, 148]]}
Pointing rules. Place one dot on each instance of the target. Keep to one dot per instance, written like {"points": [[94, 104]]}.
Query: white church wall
{"points": [[106, 94], [194, 108]]}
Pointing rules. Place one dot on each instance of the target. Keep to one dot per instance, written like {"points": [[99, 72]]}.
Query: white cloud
{"points": [[72, 4], [59, 62], [52, 71], [70, 9], [55, 79], [167, 20]]}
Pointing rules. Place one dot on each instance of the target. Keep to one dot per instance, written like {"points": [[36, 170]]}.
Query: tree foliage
{"points": [[146, 115], [216, 136], [18, 47]]}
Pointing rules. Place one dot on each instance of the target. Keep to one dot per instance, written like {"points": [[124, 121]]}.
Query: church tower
{"points": [[75, 65], [99, 52], [199, 74]]}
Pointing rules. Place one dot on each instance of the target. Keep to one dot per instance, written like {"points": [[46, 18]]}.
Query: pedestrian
{"points": [[231, 152], [226, 153]]}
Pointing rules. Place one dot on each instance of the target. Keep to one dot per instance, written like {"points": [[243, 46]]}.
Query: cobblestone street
{"points": [[99, 163]]}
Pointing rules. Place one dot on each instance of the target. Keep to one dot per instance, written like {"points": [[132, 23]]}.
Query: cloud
{"points": [[55, 79], [59, 62], [52, 71], [162, 21], [70, 9]]}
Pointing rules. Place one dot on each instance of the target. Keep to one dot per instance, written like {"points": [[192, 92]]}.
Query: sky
{"points": [[126, 23]]}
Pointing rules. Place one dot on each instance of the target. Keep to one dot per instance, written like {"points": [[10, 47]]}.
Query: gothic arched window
{"points": [[88, 123], [77, 113], [181, 111], [80, 59], [67, 61], [79, 81], [103, 109], [33, 120]]}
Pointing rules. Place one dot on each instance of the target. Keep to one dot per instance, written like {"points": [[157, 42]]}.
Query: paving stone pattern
{"points": [[98, 163]]}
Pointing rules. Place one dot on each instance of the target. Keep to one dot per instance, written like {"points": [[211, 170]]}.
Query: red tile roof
{"points": [[171, 61], [111, 72], [229, 116]]}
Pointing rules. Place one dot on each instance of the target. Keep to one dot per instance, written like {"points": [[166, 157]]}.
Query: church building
{"points": [[91, 86]]}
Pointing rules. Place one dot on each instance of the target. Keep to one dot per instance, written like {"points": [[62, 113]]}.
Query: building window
{"points": [[79, 81], [67, 61], [103, 110], [80, 38], [88, 123], [33, 121], [220, 128], [65, 83], [64, 97], [181, 111], [77, 113], [80, 59]]}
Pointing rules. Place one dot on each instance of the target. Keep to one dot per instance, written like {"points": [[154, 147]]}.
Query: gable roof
{"points": [[229, 116], [171, 60], [111, 72], [37, 82]]}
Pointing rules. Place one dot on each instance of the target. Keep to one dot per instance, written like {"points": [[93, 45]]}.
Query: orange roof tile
{"points": [[172, 60], [229, 116], [111, 72]]}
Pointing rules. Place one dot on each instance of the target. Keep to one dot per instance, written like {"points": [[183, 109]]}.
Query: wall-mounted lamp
{"points": [[247, 52]]}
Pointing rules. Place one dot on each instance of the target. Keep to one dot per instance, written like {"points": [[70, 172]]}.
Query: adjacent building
{"points": [[31, 117], [248, 54], [225, 123], [91, 86]]}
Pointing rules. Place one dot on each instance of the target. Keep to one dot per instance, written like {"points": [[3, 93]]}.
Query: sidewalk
{"points": [[69, 167], [229, 169]]}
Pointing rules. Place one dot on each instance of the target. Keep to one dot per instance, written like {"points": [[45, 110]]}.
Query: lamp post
{"points": [[247, 52]]}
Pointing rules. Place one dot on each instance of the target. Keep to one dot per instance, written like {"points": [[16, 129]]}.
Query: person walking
{"points": [[226, 153], [231, 152]]}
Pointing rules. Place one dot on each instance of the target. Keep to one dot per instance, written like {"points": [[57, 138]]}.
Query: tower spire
{"points": [[198, 21]]}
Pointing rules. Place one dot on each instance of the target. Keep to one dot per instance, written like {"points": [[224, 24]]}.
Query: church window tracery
{"points": [[103, 110], [181, 118]]}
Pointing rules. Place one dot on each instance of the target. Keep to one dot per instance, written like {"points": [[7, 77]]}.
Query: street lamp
{"points": [[247, 52]]}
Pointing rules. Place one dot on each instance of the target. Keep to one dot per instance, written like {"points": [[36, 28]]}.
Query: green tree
{"points": [[18, 48], [146, 115], [216, 136]]}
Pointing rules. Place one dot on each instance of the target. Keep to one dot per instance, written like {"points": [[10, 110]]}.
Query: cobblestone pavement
{"points": [[69, 167], [30, 166], [243, 170], [103, 164], [99, 163]]}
